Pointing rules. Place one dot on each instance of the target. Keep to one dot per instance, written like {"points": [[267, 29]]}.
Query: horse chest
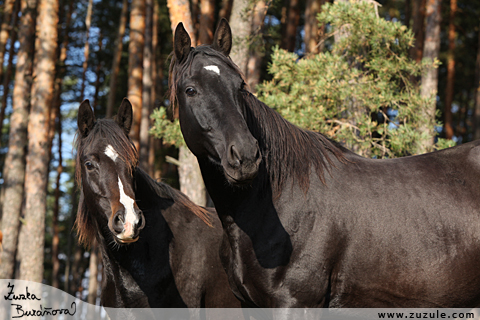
{"points": [[270, 273]]}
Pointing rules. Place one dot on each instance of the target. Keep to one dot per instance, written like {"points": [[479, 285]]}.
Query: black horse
{"points": [[157, 248], [311, 224]]}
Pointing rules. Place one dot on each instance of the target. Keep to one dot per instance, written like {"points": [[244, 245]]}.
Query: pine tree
{"points": [[360, 92], [32, 233], [14, 168]]}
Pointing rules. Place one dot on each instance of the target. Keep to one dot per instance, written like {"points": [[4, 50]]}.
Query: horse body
{"points": [[174, 261], [408, 239], [314, 225], [357, 240]]}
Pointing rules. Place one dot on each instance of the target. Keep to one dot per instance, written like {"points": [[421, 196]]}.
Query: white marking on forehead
{"points": [[213, 68], [111, 153], [130, 216]]}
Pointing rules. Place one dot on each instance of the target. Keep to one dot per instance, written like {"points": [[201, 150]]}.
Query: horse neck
{"points": [[228, 199], [290, 155], [131, 263]]}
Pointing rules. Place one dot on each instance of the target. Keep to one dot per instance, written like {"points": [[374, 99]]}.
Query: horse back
{"points": [[409, 228]]}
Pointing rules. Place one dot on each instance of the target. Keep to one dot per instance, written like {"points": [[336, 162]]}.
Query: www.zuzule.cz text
{"points": [[426, 315]]}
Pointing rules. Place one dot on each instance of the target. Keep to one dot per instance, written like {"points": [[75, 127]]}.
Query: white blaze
{"points": [[126, 201], [130, 217], [213, 68], [111, 153]]}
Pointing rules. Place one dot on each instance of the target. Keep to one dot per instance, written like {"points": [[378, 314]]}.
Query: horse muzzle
{"points": [[126, 228], [242, 164]]}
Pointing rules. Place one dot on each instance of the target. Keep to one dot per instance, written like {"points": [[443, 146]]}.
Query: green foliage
{"points": [[164, 128], [360, 92]]}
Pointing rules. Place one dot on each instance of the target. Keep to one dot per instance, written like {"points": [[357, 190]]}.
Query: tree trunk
{"points": [[8, 74], [31, 240], [408, 12], [283, 20], [226, 10], [14, 167], [157, 60], [147, 85], [207, 17], [191, 182], [430, 76], [241, 29], [93, 277], [151, 148], [86, 50], [56, 205], [135, 65], [98, 72], [476, 111], [255, 56], [5, 30], [312, 31], [448, 126], [70, 240], [57, 104], [116, 59], [75, 270], [179, 11], [418, 13], [293, 19], [195, 8]]}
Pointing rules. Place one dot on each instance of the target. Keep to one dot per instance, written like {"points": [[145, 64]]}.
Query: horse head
{"points": [[106, 160], [208, 88]]}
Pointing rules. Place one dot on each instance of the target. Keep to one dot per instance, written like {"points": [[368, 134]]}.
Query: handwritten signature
{"points": [[41, 311]]}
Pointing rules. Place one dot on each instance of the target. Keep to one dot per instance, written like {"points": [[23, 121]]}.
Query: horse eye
{"points": [[88, 165], [190, 92]]}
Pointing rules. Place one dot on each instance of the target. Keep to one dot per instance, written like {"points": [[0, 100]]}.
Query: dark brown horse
{"points": [[159, 249], [311, 224]]}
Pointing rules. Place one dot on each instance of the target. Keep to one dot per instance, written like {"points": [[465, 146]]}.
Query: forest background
{"points": [[386, 79]]}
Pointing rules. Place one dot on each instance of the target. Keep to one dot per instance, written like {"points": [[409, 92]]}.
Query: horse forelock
{"points": [[110, 132], [288, 150], [177, 69]]}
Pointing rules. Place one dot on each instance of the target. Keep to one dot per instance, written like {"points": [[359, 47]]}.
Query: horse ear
{"points": [[124, 117], [181, 42], [86, 118], [222, 40]]}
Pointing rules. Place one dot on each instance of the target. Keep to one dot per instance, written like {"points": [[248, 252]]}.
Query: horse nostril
{"points": [[141, 221], [236, 159], [257, 154], [118, 222]]}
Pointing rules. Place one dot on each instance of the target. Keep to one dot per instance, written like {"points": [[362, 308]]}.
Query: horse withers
{"points": [[159, 249], [311, 224]]}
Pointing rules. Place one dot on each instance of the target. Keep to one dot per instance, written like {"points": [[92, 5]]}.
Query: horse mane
{"points": [[176, 68], [286, 147], [165, 191], [84, 224]]}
